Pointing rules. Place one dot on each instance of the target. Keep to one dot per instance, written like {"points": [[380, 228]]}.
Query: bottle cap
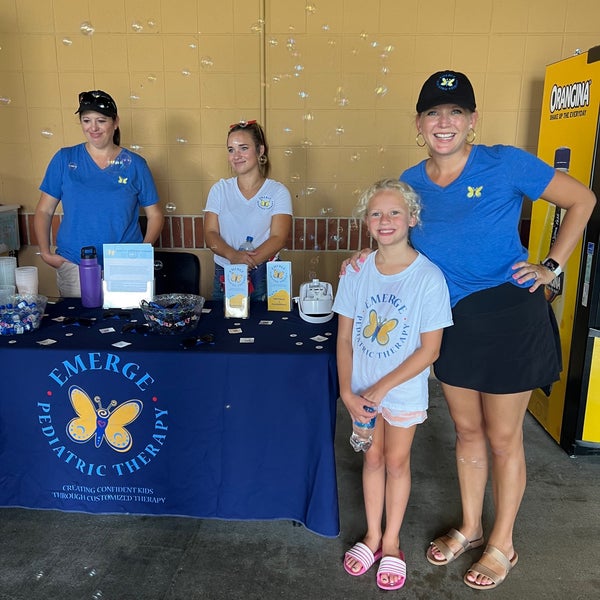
{"points": [[88, 252]]}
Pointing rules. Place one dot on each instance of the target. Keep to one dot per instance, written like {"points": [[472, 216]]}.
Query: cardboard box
{"points": [[237, 301], [279, 285]]}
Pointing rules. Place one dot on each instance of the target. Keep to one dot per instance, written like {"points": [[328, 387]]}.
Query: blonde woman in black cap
{"points": [[503, 343], [102, 188]]}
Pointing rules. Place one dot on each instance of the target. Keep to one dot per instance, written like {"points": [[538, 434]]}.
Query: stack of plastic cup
{"points": [[8, 264], [7, 293], [26, 279]]}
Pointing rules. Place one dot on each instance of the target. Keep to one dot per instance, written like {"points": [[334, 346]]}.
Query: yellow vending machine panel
{"points": [[568, 140]]}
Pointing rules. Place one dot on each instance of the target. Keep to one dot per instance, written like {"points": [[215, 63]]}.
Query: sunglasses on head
{"points": [[242, 124], [98, 99]]}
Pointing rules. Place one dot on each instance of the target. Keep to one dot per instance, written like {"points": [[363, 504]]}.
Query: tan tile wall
{"points": [[333, 81]]}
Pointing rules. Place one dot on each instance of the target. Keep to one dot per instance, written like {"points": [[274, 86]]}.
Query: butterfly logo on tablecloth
{"points": [[379, 328], [102, 423]]}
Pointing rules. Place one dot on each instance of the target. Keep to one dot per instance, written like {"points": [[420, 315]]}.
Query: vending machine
{"points": [[569, 139]]}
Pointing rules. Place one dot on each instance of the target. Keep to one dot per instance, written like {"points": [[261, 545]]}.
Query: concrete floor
{"points": [[50, 555]]}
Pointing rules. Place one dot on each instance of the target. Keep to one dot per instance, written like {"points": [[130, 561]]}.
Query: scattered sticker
{"points": [[265, 322], [236, 330], [46, 342], [121, 344], [247, 340], [107, 330], [319, 338]]}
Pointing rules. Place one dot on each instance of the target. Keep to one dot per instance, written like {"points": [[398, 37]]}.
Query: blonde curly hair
{"points": [[412, 199]]}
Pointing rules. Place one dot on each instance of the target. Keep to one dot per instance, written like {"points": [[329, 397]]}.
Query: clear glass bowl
{"points": [[22, 314], [170, 314]]}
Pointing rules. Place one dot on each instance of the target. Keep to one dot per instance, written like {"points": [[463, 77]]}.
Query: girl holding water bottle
{"points": [[391, 316], [247, 205]]}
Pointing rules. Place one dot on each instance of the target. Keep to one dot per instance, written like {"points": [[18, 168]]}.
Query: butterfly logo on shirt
{"points": [[123, 180], [102, 423], [378, 328], [474, 192]]}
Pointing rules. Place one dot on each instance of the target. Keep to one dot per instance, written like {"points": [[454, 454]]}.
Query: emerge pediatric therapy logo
{"points": [[264, 202], [96, 438]]}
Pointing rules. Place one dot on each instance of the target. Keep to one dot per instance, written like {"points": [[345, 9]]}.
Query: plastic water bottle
{"points": [[247, 245], [362, 433], [90, 277]]}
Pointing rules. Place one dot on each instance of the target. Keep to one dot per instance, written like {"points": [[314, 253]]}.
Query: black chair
{"points": [[176, 272]]}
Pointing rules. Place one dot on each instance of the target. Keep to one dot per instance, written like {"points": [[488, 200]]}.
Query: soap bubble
{"points": [[181, 140], [299, 68], [185, 73], [151, 77], [326, 210], [47, 133], [291, 44], [287, 130], [137, 26], [86, 28], [67, 42], [288, 152], [151, 23], [170, 207], [4, 100], [355, 157], [123, 161], [39, 575], [381, 90], [310, 8], [306, 143], [192, 46], [308, 117], [273, 42], [304, 95], [206, 62], [310, 190], [340, 130], [325, 27], [135, 147], [90, 571], [364, 35], [257, 26], [134, 97], [295, 177]]}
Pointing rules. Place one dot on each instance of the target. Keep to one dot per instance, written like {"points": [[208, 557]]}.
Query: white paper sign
{"points": [[128, 275]]}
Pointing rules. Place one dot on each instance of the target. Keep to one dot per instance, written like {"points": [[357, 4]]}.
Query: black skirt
{"points": [[504, 340]]}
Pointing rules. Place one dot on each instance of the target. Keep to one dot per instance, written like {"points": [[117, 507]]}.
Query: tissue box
{"points": [[279, 285], [237, 302]]}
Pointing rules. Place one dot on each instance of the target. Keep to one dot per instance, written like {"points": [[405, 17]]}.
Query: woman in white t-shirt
{"points": [[249, 204]]}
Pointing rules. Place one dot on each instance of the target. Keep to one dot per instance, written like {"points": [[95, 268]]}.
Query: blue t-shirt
{"points": [[470, 227], [100, 206]]}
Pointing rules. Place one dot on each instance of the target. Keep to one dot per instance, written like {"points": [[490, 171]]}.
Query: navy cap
{"points": [[98, 101], [446, 87]]}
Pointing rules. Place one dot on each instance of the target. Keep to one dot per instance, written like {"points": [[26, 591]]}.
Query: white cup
{"points": [[7, 270], [26, 279], [6, 293]]}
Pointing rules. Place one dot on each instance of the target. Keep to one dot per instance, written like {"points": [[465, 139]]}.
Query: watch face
{"points": [[550, 264]]}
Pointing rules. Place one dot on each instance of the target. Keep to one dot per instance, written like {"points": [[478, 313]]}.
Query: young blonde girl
{"points": [[391, 316]]}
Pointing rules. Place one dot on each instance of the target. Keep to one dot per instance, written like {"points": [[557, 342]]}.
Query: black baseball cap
{"points": [[446, 87], [98, 101]]}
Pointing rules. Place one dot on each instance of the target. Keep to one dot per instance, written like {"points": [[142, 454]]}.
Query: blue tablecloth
{"points": [[231, 430]]}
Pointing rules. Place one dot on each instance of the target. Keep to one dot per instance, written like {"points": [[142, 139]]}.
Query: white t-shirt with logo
{"points": [[390, 312], [239, 218]]}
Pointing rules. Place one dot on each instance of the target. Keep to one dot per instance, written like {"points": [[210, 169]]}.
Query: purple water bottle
{"points": [[90, 277]]}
